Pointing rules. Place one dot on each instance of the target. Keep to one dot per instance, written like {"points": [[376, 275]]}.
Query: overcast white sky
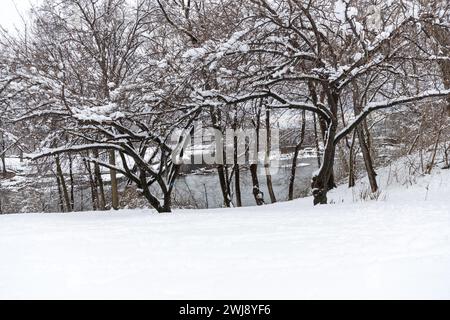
{"points": [[9, 12]]}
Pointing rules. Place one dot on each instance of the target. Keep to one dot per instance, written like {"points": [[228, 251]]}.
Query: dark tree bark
{"points": [[155, 203], [363, 143], [72, 183], [93, 186], [167, 205], [351, 163], [316, 140], [114, 186], [99, 182], [237, 176], [368, 162], [144, 185], [273, 199], [2, 151], [224, 185], [446, 156], [237, 185], [60, 196], [223, 179], [298, 146], [3, 163], [323, 180], [63, 184], [257, 193]]}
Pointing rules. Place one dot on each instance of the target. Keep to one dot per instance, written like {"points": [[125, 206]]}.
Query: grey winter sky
{"points": [[10, 11]]}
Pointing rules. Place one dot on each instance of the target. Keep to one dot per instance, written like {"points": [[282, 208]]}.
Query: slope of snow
{"points": [[400, 181], [396, 247]]}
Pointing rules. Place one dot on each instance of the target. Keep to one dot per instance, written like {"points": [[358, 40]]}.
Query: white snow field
{"points": [[396, 247]]}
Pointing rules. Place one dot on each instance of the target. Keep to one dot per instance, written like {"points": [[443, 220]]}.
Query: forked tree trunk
{"points": [[165, 207]]}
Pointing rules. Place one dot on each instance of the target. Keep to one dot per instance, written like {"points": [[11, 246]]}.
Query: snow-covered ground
{"points": [[395, 247]]}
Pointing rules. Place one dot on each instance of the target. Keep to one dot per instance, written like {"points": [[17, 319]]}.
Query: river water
{"points": [[203, 190]]}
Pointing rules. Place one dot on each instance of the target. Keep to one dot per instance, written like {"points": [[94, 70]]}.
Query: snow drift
{"points": [[397, 246]]}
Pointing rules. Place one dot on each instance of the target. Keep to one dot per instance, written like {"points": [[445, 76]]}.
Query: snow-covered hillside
{"points": [[395, 247]]}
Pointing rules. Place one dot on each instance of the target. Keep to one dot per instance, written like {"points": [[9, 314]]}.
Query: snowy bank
{"points": [[396, 247]]}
